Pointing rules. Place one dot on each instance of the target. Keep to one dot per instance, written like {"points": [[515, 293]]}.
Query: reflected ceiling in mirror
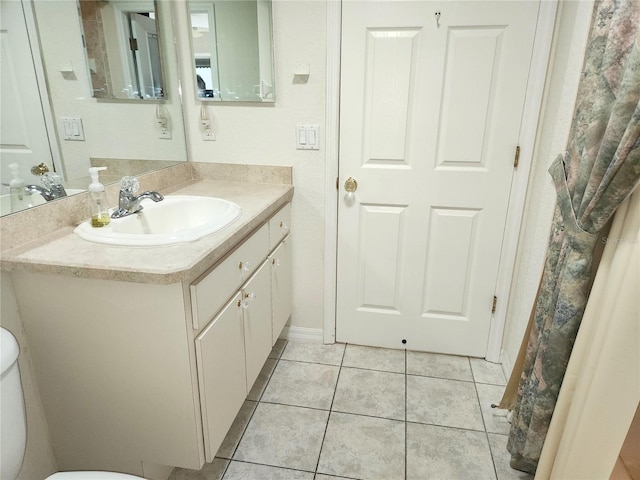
{"points": [[232, 50], [123, 49]]}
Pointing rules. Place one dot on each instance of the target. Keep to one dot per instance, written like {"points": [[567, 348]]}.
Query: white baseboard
{"points": [[507, 363], [302, 333]]}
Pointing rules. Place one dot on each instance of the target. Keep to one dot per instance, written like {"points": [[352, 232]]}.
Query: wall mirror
{"points": [[123, 49], [232, 50], [45, 96]]}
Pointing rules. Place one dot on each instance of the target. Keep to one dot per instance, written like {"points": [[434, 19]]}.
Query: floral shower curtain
{"points": [[600, 169]]}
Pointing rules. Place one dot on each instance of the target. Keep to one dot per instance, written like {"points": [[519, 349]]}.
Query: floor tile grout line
{"points": [[309, 361], [484, 423], [445, 426], [406, 424], [368, 416], [493, 384], [326, 427], [269, 465], [332, 410], [439, 378], [371, 369], [270, 402], [254, 411], [266, 384]]}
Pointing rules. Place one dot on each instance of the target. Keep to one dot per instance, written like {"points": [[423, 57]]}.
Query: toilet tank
{"points": [[13, 422]]}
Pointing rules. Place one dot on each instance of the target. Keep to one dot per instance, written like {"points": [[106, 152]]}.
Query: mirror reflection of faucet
{"points": [[21, 193], [128, 202]]}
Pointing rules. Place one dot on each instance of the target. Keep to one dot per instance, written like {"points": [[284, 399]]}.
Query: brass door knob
{"points": [[350, 185], [39, 169]]}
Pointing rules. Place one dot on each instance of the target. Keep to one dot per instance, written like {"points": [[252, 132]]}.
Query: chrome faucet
{"points": [[52, 190], [128, 202], [48, 195]]}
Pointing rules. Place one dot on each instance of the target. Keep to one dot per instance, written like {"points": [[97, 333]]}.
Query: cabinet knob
{"points": [[244, 266], [284, 226], [275, 262], [247, 298]]}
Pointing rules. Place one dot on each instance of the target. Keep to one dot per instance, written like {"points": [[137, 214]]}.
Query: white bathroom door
{"points": [[431, 102], [23, 133]]}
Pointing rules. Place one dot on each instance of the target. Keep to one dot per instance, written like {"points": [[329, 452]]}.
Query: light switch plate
{"points": [[72, 128], [307, 137]]}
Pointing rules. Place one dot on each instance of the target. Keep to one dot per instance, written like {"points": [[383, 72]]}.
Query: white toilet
{"points": [[13, 426]]}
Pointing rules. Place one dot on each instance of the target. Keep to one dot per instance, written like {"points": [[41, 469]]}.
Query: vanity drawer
{"points": [[212, 290], [279, 226]]}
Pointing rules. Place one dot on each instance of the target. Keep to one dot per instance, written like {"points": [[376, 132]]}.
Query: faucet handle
{"points": [[129, 185], [51, 180]]}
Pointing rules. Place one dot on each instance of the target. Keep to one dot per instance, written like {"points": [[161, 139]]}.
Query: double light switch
{"points": [[307, 137], [72, 128]]}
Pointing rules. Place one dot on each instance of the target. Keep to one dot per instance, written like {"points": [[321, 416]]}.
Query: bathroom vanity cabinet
{"points": [[135, 374], [242, 332]]}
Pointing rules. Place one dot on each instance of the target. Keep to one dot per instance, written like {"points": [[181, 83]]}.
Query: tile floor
{"points": [[322, 412]]}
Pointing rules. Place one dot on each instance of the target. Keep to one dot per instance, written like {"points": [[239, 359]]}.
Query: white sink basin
{"points": [[176, 219]]}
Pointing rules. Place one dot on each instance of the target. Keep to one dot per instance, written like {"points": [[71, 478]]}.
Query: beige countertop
{"points": [[64, 253]]}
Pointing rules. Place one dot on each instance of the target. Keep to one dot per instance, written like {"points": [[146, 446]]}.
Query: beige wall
{"points": [[561, 86]]}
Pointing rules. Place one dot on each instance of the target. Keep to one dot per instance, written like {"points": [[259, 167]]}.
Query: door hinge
{"points": [[516, 159], [337, 183], [493, 305], [133, 44]]}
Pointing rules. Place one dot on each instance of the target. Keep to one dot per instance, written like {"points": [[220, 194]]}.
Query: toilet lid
{"points": [[92, 476]]}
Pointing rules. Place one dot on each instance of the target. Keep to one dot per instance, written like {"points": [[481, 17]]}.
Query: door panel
{"points": [[469, 76], [450, 261], [380, 247], [24, 137], [388, 82], [429, 120]]}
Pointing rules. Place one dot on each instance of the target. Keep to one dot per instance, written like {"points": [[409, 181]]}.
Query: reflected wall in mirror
{"points": [[38, 97], [232, 50], [123, 48]]}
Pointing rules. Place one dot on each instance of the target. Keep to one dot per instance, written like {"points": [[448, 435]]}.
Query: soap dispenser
{"points": [[17, 190], [98, 200]]}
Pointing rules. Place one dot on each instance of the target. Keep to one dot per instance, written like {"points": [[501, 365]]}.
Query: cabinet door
{"points": [[221, 373], [280, 261], [257, 321]]}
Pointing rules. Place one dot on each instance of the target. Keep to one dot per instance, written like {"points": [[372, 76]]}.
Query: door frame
{"points": [[527, 137]]}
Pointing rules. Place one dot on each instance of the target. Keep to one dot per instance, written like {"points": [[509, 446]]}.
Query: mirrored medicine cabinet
{"points": [[232, 50], [123, 48]]}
